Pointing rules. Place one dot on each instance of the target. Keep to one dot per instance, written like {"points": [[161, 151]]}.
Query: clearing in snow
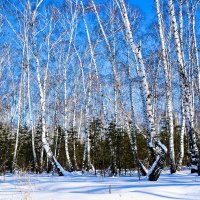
{"points": [[182, 185]]}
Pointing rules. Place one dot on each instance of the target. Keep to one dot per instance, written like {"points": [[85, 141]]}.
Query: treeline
{"points": [[102, 140]]}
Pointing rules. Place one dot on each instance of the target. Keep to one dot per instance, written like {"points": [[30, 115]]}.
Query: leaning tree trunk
{"points": [[168, 88], [42, 89], [132, 129], [42, 83], [158, 150], [45, 144]]}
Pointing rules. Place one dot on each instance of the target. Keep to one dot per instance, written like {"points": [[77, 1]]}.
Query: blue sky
{"points": [[147, 6]]}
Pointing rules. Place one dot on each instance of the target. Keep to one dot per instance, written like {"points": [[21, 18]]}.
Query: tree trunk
{"points": [[132, 130], [185, 92], [158, 150], [168, 89], [18, 124], [87, 136], [182, 133], [31, 121], [42, 90]]}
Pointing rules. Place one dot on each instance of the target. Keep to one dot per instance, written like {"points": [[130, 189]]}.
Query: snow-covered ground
{"points": [[181, 185]]}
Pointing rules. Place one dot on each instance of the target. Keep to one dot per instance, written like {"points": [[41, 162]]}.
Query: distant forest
{"points": [[92, 86]]}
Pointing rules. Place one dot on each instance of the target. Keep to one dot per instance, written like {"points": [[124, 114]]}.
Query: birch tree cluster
{"points": [[96, 86]]}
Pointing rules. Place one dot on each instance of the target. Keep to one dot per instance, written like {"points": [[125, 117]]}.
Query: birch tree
{"points": [[22, 35], [185, 91], [42, 84], [18, 123], [157, 149], [27, 66], [71, 34], [168, 88], [182, 134], [116, 80], [194, 41]]}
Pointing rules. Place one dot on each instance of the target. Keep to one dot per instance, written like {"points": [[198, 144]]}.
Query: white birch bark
{"points": [[185, 90], [133, 129], [189, 50], [142, 76], [84, 90], [41, 158], [18, 123], [84, 108], [23, 38], [168, 88], [31, 120], [68, 160], [45, 144], [195, 48], [152, 139], [181, 24], [92, 55], [190, 64], [74, 123], [55, 125], [87, 147], [27, 64], [72, 29], [42, 87], [182, 134]]}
